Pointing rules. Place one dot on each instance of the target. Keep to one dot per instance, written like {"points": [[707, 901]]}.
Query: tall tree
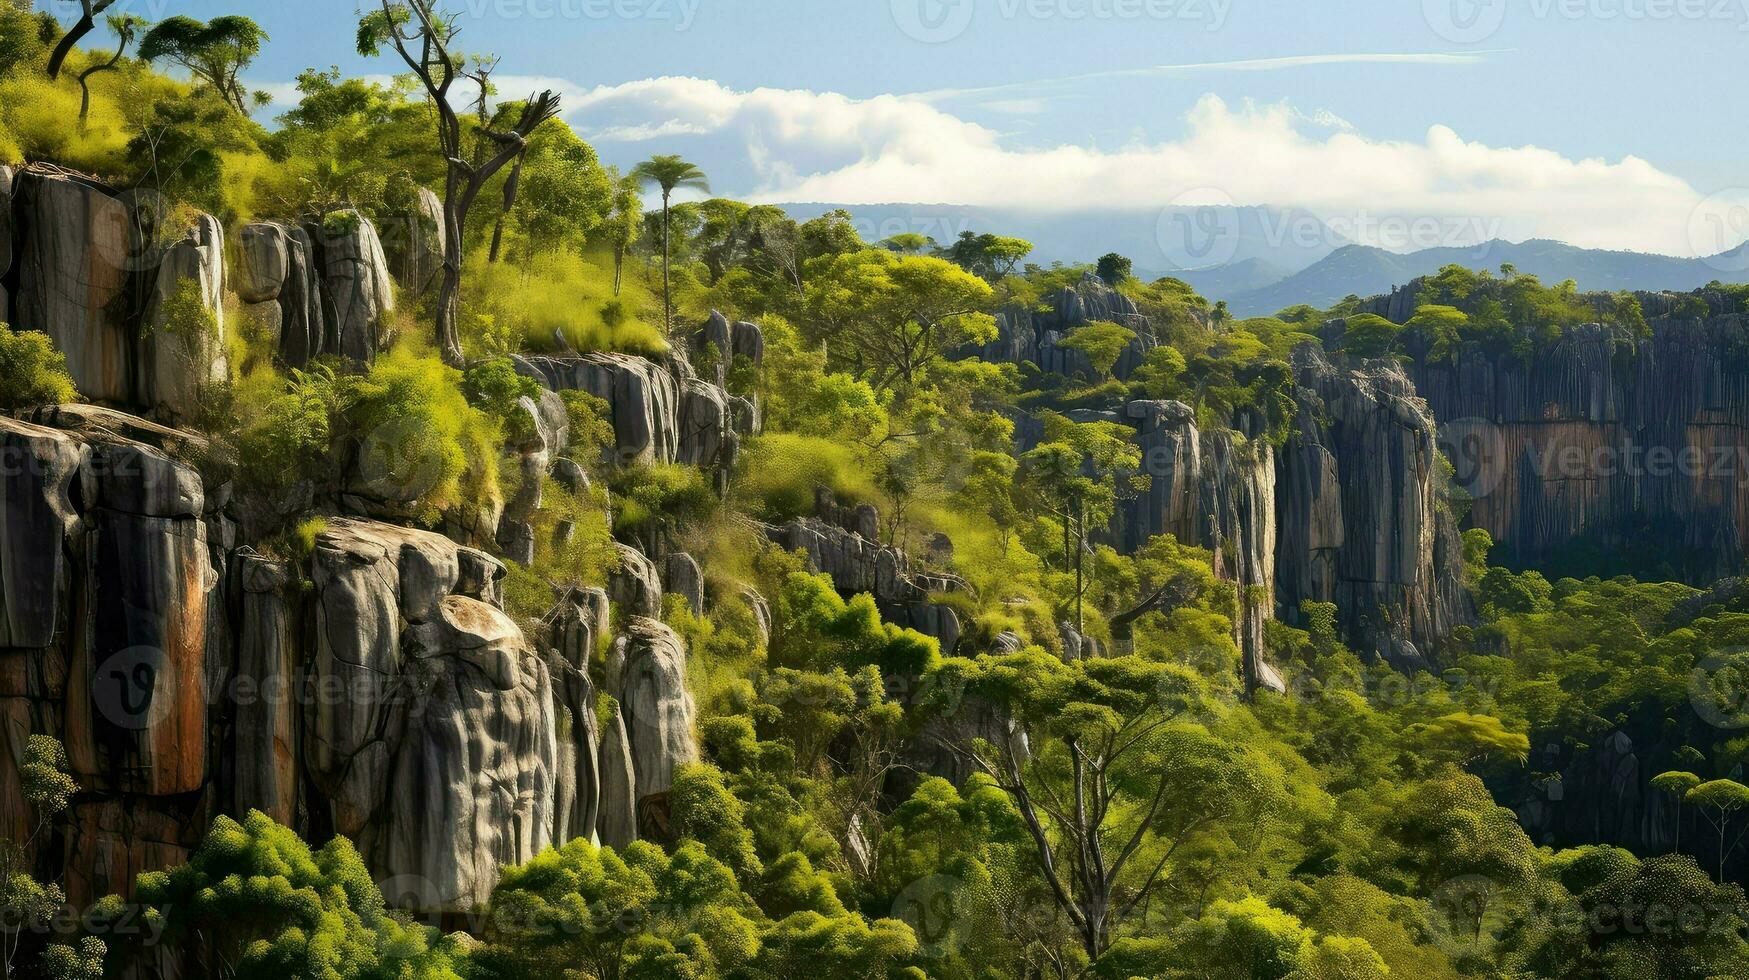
{"points": [[215, 52], [625, 222], [1112, 782], [422, 35], [125, 27], [669, 173], [87, 22]]}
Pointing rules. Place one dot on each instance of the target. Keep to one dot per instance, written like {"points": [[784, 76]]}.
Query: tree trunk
{"points": [[87, 20], [667, 297], [510, 190], [619, 261], [449, 343]]}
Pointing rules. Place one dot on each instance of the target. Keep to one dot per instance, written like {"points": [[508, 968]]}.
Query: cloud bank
{"points": [[787, 145]]}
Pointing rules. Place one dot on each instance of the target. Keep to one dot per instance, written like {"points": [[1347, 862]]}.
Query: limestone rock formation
{"points": [[635, 584], [684, 578], [1606, 441], [277, 281], [1361, 518], [1025, 334], [441, 760], [644, 397], [412, 239], [860, 564], [647, 675], [357, 292]]}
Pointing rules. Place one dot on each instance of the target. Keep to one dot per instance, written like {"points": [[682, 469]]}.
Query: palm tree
{"points": [[668, 173]]}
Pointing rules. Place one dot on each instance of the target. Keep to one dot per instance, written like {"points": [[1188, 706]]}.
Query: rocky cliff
{"points": [[372, 686], [1605, 442]]}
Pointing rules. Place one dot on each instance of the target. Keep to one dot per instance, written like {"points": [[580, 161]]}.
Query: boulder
{"points": [[574, 627], [441, 757], [413, 242], [648, 678], [303, 329], [76, 248], [617, 824], [634, 585], [684, 578], [475, 765], [357, 292], [182, 353], [707, 437], [263, 261], [266, 754], [6, 181], [644, 398], [38, 469]]}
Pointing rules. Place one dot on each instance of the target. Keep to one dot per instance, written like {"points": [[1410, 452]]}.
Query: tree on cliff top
{"points": [[669, 173], [422, 35], [215, 52]]}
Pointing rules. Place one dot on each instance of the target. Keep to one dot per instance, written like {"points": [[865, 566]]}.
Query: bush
{"points": [[32, 372], [417, 436]]}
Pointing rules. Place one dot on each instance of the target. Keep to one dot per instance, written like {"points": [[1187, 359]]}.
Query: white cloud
{"points": [[797, 145]]}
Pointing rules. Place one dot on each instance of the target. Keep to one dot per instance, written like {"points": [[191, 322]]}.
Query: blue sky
{"points": [[1412, 108]]}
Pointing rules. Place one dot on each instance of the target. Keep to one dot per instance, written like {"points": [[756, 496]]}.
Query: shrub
{"points": [[416, 433], [494, 387], [32, 372], [283, 425]]}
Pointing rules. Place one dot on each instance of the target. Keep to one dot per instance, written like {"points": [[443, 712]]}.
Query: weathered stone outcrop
{"points": [[94, 273], [280, 289], [647, 675], [1605, 442], [1360, 515], [412, 239], [861, 564], [574, 626], [6, 182], [1024, 334], [442, 758], [635, 585], [644, 397], [684, 578], [107, 606], [357, 292]]}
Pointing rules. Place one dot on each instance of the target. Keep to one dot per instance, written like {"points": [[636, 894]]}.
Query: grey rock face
{"points": [[356, 290], [650, 684], [1607, 440], [618, 823], [76, 249], [177, 362], [263, 261], [1362, 521], [6, 181], [1029, 335], [413, 243], [38, 469], [267, 754], [684, 578], [443, 760], [635, 585], [575, 625], [858, 564], [644, 396]]}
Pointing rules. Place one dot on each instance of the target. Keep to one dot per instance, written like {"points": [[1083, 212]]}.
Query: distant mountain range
{"points": [[1261, 260], [1365, 271], [1236, 245]]}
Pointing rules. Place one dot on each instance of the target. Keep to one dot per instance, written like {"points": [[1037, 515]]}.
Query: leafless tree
{"points": [[422, 35]]}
